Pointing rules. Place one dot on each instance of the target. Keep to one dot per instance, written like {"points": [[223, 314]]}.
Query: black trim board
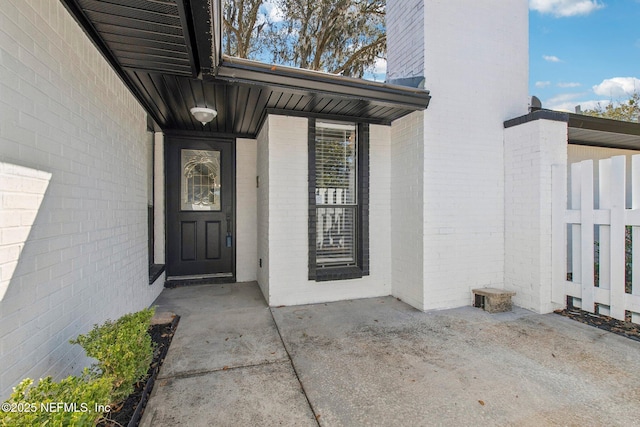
{"points": [[580, 121], [537, 115], [155, 270], [239, 71], [331, 117], [363, 197], [573, 141], [202, 134], [189, 36]]}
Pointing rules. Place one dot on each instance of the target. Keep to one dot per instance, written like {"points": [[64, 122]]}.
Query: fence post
{"points": [[586, 234], [635, 235], [558, 233], [604, 237], [576, 246], [617, 263]]}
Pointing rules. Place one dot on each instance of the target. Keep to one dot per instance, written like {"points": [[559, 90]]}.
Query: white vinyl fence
{"points": [[600, 269]]}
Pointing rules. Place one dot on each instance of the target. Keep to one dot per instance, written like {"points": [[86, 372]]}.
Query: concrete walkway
{"points": [[236, 362]]}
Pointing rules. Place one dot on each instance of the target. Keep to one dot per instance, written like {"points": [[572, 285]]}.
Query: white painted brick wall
{"points": [[262, 211], [478, 75], [405, 41], [158, 202], [288, 217], [22, 190], [65, 114], [246, 210], [407, 208], [530, 151]]}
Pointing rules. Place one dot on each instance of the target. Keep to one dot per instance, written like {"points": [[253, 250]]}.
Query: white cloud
{"points": [[564, 97], [569, 101], [551, 58], [380, 66], [562, 8], [378, 72], [570, 106], [617, 87], [542, 84], [273, 11], [563, 102], [591, 104], [568, 84]]}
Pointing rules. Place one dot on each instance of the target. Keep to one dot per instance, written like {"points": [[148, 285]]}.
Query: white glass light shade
{"points": [[204, 115]]}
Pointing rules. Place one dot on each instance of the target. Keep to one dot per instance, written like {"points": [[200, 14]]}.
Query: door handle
{"points": [[229, 239]]}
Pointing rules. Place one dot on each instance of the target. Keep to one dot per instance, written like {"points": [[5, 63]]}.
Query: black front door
{"points": [[200, 189]]}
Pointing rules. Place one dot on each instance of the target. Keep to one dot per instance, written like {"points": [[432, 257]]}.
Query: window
{"points": [[338, 200], [201, 181], [150, 178]]}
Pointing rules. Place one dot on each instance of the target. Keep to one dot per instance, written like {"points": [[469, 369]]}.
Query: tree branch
{"points": [[360, 53]]}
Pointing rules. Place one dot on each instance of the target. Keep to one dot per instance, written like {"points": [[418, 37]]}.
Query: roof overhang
{"points": [[596, 131], [168, 52], [243, 71], [588, 130]]}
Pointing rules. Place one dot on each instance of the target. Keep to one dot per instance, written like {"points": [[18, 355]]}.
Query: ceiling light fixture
{"points": [[204, 115]]}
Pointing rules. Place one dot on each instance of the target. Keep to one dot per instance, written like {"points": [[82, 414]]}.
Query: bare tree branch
{"points": [[344, 36]]}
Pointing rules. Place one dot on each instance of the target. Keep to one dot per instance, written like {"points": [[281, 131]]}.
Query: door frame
{"points": [[169, 138]]}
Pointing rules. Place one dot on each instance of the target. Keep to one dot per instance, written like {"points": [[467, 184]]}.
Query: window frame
{"points": [[155, 270], [361, 267]]}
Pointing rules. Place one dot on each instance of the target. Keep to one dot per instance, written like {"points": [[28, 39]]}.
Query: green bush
{"points": [[123, 349], [124, 352], [74, 401]]}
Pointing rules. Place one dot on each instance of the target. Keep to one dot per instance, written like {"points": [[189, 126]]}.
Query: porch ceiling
{"points": [[595, 131], [168, 52]]}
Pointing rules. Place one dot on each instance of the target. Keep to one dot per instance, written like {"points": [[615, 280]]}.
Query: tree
{"points": [[628, 110], [243, 23], [337, 36]]}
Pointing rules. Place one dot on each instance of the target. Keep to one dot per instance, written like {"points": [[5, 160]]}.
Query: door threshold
{"points": [[200, 276], [206, 279]]}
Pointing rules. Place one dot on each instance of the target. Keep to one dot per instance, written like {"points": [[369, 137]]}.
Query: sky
{"points": [[583, 52]]}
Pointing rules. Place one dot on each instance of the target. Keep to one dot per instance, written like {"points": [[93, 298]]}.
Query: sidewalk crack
{"points": [[316, 416]]}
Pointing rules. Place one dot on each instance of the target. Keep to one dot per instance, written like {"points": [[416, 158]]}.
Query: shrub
{"points": [[123, 349], [74, 401]]}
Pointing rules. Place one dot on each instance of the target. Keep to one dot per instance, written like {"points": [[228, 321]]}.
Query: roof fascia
{"points": [[556, 116], [572, 141], [189, 37], [243, 71], [580, 121], [373, 121], [206, 25]]}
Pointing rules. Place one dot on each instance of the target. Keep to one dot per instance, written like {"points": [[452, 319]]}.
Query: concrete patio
{"points": [[235, 361]]}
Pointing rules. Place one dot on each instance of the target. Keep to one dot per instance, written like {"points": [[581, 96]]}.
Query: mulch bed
{"points": [[130, 412], [619, 327]]}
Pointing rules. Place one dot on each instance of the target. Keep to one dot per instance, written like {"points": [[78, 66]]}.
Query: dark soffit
{"points": [[600, 132], [588, 130], [168, 53]]}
